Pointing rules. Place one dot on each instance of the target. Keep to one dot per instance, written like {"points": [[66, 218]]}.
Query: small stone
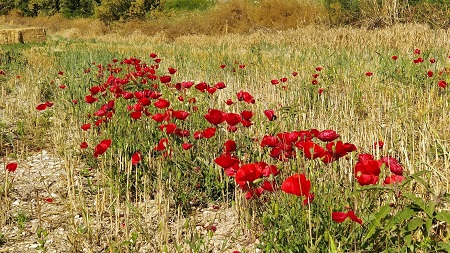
{"points": [[34, 245]]}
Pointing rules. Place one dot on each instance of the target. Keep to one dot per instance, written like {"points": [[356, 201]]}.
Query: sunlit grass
{"points": [[398, 104]]}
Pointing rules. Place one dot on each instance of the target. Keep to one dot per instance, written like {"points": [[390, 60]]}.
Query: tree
{"points": [[77, 8]]}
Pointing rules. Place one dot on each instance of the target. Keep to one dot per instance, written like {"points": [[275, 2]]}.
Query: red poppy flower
{"points": [[83, 145], [393, 179], [165, 79], [233, 119], [226, 160], [393, 165], [274, 81], [181, 115], [320, 91], [62, 86], [442, 83], [162, 144], [269, 141], [144, 101], [294, 73], [153, 55], [230, 146], [367, 171], [394, 57], [369, 73], [418, 60], [314, 82], [102, 147], [315, 75], [270, 115], [187, 84], [136, 115], [222, 66], [432, 60], [310, 149], [339, 149], [161, 103], [198, 135], [90, 99], [41, 107], [246, 123], [157, 60], [242, 66], [299, 186], [430, 73], [60, 73], [2, 72], [11, 167], [247, 115], [86, 126], [319, 68], [201, 86], [378, 144], [159, 117], [186, 146], [353, 217], [48, 200], [268, 170], [229, 102], [214, 116], [247, 174], [416, 51], [268, 186], [94, 90], [211, 90], [328, 135], [172, 71], [136, 158], [341, 216], [365, 157], [209, 132], [220, 85], [245, 96], [74, 101], [169, 128], [283, 79]]}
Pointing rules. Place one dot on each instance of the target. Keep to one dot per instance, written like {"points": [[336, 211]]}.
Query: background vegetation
{"points": [[178, 17]]}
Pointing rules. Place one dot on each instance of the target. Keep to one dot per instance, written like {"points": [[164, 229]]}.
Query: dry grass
{"points": [[235, 16], [412, 122]]}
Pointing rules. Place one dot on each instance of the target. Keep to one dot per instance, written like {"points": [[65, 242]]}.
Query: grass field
{"points": [[139, 185]]}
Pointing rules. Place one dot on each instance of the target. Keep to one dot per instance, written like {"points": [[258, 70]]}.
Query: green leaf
{"points": [[430, 208], [375, 222], [428, 224], [443, 216], [416, 200], [414, 224], [371, 231], [332, 246], [385, 210], [400, 217], [444, 246]]}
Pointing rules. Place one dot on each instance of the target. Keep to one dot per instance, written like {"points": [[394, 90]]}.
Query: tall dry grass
{"points": [[234, 16]]}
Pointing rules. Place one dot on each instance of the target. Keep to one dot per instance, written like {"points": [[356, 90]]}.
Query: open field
{"points": [[101, 131]]}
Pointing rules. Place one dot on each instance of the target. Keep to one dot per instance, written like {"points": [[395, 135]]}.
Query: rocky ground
{"points": [[40, 217]]}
